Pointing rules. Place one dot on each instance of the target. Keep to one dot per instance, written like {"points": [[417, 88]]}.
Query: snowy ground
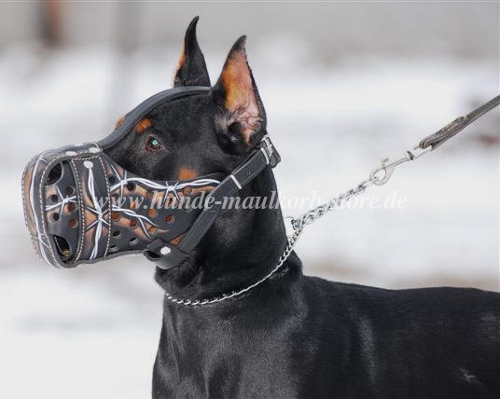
{"points": [[93, 332]]}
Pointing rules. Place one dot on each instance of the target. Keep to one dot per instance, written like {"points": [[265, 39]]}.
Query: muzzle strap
{"points": [[167, 255], [93, 187]]}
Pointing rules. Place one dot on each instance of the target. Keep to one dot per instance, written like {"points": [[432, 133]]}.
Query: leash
{"points": [[382, 173], [379, 176]]}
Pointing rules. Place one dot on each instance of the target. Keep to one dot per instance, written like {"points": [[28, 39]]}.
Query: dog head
{"points": [[179, 143]]}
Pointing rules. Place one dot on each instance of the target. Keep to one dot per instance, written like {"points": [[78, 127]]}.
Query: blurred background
{"points": [[344, 84]]}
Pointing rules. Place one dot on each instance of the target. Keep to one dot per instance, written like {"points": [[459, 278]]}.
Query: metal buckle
{"points": [[267, 148], [269, 151]]}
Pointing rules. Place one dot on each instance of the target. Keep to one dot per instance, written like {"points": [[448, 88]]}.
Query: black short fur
{"points": [[293, 336]]}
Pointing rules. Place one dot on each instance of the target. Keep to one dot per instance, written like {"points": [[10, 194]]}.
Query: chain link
{"points": [[314, 214]]}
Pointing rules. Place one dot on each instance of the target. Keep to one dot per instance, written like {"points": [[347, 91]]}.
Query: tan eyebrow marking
{"points": [[143, 125]]}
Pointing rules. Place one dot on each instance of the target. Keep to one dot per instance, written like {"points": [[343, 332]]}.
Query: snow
{"points": [[93, 332]]}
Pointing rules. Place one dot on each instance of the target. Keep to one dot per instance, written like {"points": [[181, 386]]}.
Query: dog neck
{"points": [[241, 247]]}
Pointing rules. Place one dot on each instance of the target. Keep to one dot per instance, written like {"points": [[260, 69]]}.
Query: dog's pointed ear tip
{"points": [[191, 30], [194, 22], [240, 44]]}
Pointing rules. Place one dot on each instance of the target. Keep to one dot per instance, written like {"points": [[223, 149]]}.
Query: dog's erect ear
{"points": [[192, 70], [241, 119]]}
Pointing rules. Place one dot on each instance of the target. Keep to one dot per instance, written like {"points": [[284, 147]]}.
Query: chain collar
{"points": [[281, 261]]}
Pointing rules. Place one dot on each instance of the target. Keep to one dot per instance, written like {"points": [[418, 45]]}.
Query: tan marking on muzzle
{"points": [[186, 173]]}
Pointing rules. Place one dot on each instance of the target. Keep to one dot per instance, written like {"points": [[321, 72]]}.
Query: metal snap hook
{"points": [[388, 167]]}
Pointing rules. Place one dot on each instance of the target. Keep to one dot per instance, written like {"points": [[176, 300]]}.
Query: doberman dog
{"points": [[292, 336]]}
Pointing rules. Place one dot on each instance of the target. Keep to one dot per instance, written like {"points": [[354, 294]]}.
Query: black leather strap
{"points": [[173, 255]]}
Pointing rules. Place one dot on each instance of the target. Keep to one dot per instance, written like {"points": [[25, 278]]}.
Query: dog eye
{"points": [[153, 144]]}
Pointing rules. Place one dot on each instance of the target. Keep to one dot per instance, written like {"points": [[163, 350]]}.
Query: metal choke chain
{"points": [[198, 302]]}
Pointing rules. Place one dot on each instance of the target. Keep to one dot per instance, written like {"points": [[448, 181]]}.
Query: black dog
{"points": [[293, 336]]}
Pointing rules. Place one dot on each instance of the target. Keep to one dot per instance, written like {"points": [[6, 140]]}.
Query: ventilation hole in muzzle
{"points": [[63, 248], [116, 234], [152, 230], [53, 198], [133, 223], [55, 174], [170, 202], [187, 190], [152, 213], [130, 186], [70, 190], [170, 219], [116, 216], [150, 194], [55, 217], [73, 223], [71, 207], [113, 249], [112, 180], [133, 241]]}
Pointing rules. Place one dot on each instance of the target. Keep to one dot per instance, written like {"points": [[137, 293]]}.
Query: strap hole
{"points": [[113, 249], [133, 241], [116, 234], [170, 219], [70, 190], [72, 223]]}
